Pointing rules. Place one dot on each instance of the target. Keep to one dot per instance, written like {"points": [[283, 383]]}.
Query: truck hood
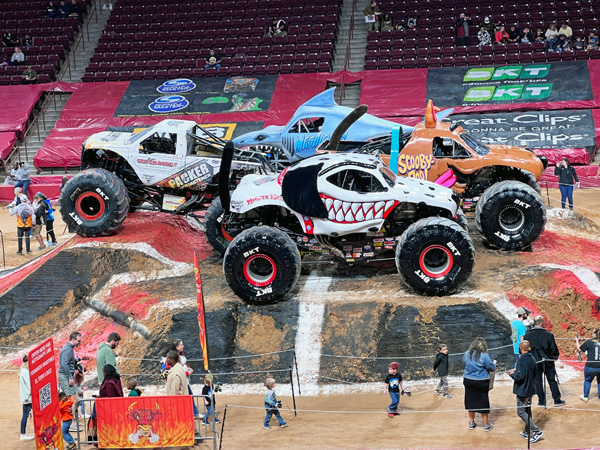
{"points": [[265, 139], [519, 157], [107, 139], [417, 190]]}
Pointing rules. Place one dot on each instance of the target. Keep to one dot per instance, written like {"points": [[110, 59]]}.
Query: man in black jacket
{"points": [[524, 388], [545, 351]]}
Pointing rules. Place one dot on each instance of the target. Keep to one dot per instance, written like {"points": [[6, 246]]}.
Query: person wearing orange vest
{"points": [[25, 220]]}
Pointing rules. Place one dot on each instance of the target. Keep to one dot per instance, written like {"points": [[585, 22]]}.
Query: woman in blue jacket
{"points": [[476, 380]]}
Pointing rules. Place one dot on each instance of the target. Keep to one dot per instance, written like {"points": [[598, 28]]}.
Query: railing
{"points": [[348, 54], [80, 39]]}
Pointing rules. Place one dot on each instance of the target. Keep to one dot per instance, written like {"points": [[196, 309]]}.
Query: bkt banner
{"points": [[526, 83], [533, 129]]}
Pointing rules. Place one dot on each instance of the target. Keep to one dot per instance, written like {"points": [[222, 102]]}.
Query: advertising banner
{"points": [[197, 96], [533, 129], [44, 397], [145, 422], [200, 309], [518, 83]]}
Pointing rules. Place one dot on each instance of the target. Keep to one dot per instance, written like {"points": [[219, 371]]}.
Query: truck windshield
{"points": [[139, 135], [476, 145], [388, 175]]}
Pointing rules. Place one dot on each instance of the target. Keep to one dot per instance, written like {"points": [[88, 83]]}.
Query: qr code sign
{"points": [[45, 396]]}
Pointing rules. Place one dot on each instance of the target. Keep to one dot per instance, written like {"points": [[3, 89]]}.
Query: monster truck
{"points": [[312, 123], [351, 206], [498, 182], [171, 167]]}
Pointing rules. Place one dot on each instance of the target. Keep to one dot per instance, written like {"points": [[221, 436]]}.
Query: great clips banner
{"points": [[533, 129], [197, 96], [523, 83], [145, 422], [44, 397]]}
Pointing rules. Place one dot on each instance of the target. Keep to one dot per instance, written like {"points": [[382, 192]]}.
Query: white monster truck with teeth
{"points": [[348, 205]]}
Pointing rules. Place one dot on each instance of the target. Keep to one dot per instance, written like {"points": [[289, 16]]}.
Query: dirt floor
{"points": [[358, 421]]}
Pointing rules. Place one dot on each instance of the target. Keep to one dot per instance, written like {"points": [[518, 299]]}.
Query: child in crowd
{"points": [[132, 386], [578, 44], [539, 36], [272, 405], [208, 394], [66, 415], [393, 384], [592, 41], [441, 364]]}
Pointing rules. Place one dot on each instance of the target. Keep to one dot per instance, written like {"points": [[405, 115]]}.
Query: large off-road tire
{"points": [[261, 265], [516, 174], [216, 235], [510, 215], [94, 203], [435, 256], [461, 219]]}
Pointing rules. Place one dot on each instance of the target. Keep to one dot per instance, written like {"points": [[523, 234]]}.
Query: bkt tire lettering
{"points": [[422, 276], [452, 247], [522, 203], [502, 236], [75, 218], [251, 252], [261, 292], [102, 194]]}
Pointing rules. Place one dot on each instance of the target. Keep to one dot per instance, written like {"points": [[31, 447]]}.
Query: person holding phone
{"points": [[567, 177]]}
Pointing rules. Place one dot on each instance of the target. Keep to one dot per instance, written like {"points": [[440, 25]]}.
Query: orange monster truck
{"points": [[499, 182]]}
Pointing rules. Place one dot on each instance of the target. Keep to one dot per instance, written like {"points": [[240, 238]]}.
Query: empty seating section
{"points": [[433, 42], [51, 38], [171, 38]]}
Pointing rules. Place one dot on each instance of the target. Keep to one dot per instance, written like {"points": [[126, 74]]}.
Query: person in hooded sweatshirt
{"points": [[105, 354]]}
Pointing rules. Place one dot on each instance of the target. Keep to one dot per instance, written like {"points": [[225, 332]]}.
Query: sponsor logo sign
{"points": [[168, 104], [523, 83], [533, 129], [176, 86]]}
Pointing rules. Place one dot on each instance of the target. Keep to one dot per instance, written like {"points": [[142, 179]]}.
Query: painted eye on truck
{"points": [[260, 137]]}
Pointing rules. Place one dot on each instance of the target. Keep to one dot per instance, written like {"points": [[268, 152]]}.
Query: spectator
{"points": [[49, 221], [524, 388], [579, 43], [461, 27], [6, 39], [564, 43], [18, 57], [545, 351], [539, 36], [387, 23], [280, 27], [176, 380], [66, 417], [487, 24], [593, 41], [372, 13], [208, 395], [63, 9], [17, 200], [567, 177], [25, 220], [26, 42], [514, 34], [11, 178], [551, 33], [526, 36], [177, 346], [25, 396], [441, 364], [133, 389], [77, 10], [411, 23], [29, 76], [476, 379], [272, 405], [566, 31], [111, 386], [501, 36], [484, 37], [518, 329], [105, 354], [108, 4], [51, 10], [40, 207], [24, 177], [270, 31], [591, 371], [393, 384], [67, 367], [213, 60]]}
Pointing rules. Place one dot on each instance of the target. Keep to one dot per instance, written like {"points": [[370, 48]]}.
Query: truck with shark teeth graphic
{"points": [[350, 206], [170, 167]]}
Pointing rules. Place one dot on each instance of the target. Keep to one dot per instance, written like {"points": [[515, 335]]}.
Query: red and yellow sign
{"points": [[201, 314], [44, 397], [139, 422]]}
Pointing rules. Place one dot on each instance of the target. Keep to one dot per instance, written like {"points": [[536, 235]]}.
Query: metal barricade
{"points": [[84, 413]]}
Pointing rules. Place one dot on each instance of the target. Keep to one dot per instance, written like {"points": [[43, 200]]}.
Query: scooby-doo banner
{"points": [[140, 422], [44, 397]]}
